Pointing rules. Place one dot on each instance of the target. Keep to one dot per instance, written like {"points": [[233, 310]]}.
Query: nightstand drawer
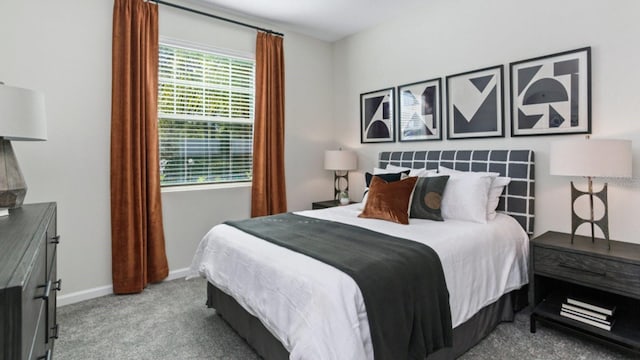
{"points": [[616, 276]]}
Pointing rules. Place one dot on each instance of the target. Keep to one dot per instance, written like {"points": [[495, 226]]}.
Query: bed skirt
{"points": [[465, 335]]}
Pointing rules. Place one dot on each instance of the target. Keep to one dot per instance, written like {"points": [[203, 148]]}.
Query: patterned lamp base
{"points": [[603, 222], [12, 185], [340, 183]]}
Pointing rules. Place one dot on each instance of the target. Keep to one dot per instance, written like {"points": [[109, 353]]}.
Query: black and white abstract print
{"points": [[474, 104], [552, 94], [376, 116], [420, 113]]}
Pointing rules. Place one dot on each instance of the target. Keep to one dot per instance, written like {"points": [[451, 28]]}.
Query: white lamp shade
{"points": [[340, 160], [22, 114], [591, 157]]}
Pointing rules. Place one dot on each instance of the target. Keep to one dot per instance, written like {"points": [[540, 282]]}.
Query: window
{"points": [[205, 116]]}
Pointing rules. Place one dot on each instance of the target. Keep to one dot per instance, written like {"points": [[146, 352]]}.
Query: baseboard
{"points": [[88, 294]]}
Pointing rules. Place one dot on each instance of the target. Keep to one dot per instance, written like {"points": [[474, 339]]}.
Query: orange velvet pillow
{"points": [[389, 200]]}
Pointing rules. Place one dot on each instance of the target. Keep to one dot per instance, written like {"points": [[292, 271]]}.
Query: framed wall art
{"points": [[551, 95], [377, 116], [420, 111], [475, 108]]}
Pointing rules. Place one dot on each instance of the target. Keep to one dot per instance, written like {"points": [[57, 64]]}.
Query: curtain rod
{"points": [[216, 17]]}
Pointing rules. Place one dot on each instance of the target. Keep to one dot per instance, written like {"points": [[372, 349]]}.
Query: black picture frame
{"points": [[475, 105], [420, 111], [377, 116], [551, 94]]}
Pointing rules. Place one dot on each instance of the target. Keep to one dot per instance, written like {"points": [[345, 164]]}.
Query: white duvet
{"points": [[317, 312]]}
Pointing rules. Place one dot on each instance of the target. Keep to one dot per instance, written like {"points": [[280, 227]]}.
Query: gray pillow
{"points": [[427, 198]]}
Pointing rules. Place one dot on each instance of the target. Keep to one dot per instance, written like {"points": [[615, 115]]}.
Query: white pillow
{"points": [[447, 171], [412, 172], [466, 195], [495, 190]]}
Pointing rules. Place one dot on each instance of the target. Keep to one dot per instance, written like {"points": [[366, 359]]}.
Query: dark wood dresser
{"points": [[28, 283]]}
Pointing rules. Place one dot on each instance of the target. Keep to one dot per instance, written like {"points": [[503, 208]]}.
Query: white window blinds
{"points": [[205, 116]]}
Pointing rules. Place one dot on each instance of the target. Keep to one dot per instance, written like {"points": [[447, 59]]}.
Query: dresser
{"points": [[28, 282]]}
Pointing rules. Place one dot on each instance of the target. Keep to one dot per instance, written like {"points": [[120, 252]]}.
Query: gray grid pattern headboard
{"points": [[517, 199]]}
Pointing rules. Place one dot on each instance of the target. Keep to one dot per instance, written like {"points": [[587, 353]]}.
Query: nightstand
{"points": [[326, 204], [586, 270]]}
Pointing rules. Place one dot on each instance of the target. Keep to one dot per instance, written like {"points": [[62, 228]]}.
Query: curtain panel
{"points": [[268, 195], [137, 234]]}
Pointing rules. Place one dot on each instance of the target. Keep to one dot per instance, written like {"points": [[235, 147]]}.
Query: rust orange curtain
{"points": [[268, 194], [137, 234]]}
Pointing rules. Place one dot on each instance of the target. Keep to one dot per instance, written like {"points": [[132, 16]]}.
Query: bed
{"points": [[287, 305]]}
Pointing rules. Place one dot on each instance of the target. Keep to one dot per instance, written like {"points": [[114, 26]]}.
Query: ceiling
{"points": [[328, 20]]}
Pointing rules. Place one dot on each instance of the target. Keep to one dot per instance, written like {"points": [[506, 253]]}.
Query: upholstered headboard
{"points": [[517, 199]]}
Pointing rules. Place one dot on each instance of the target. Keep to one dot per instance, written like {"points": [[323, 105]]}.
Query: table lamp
{"points": [[340, 161], [21, 118], [591, 158]]}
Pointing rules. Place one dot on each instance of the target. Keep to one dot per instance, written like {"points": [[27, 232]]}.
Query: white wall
{"points": [[64, 49], [444, 37]]}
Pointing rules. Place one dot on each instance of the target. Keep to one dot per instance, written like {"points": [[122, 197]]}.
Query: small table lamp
{"points": [[341, 161], [21, 118], [591, 158]]}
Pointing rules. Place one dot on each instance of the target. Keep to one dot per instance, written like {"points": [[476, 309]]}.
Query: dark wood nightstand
{"points": [[326, 204], [586, 270]]}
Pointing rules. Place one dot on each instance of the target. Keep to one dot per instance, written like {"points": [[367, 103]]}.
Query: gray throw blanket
{"points": [[401, 281]]}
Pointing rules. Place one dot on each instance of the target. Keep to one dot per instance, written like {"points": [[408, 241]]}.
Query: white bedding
{"points": [[317, 312]]}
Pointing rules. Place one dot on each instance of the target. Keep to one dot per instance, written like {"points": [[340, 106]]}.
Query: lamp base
{"points": [[13, 188], [336, 183], [602, 223]]}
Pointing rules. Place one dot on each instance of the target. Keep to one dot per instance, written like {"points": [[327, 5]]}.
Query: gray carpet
{"points": [[170, 321]]}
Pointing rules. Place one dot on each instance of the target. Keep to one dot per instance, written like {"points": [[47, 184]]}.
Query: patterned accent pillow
{"points": [[427, 198], [389, 200]]}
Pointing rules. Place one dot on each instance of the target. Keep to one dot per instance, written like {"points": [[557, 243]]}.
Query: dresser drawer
{"points": [[615, 276], [33, 303], [52, 242], [52, 321], [39, 348]]}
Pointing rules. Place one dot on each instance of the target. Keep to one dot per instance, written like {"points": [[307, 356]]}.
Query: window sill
{"points": [[182, 188]]}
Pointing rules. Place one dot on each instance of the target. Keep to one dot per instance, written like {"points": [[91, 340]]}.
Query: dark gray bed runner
{"points": [[401, 281]]}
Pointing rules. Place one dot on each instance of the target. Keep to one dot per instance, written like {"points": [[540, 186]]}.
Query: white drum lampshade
{"points": [[591, 157]]}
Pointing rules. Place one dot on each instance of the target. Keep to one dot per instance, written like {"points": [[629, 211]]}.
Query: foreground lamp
{"points": [[591, 158], [340, 161], [21, 118]]}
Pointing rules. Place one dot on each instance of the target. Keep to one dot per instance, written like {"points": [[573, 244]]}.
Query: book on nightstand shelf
{"points": [[587, 312], [605, 309], [572, 315]]}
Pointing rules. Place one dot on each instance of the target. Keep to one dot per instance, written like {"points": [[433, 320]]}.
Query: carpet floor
{"points": [[170, 321]]}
